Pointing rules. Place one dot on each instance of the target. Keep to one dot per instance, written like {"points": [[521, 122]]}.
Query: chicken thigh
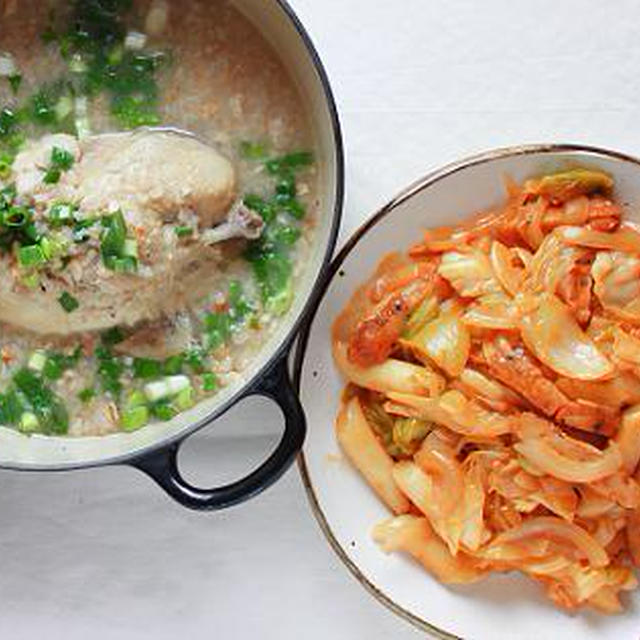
{"points": [[160, 181]]}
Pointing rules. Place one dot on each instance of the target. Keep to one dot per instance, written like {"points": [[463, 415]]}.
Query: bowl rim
{"points": [[350, 245], [295, 323]]}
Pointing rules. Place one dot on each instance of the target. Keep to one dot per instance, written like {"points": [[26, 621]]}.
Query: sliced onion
{"points": [[478, 384], [616, 279], [558, 497], [438, 460], [620, 488], [625, 347], [474, 532], [544, 456], [546, 567], [593, 505], [515, 552], [366, 452], [542, 273], [569, 184], [552, 333], [633, 535], [391, 375], [625, 239], [413, 535], [428, 492], [628, 439], [493, 311], [456, 412], [509, 276], [624, 389], [444, 341], [549, 527], [469, 273]]}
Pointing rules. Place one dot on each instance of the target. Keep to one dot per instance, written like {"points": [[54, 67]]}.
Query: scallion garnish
{"points": [[209, 382], [15, 80], [183, 231], [31, 256], [61, 213], [253, 150], [115, 247], [87, 394], [68, 302], [61, 160]]}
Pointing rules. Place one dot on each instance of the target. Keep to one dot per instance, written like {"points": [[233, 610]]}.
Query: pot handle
{"points": [[162, 465]]}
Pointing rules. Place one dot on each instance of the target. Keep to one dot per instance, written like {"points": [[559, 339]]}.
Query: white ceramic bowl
{"points": [[503, 607]]}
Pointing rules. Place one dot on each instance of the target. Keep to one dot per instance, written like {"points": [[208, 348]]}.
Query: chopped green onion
{"points": [[286, 186], [87, 394], [289, 162], [112, 336], [209, 382], [146, 368], [294, 208], [63, 108], [217, 329], [135, 399], [253, 150], [134, 418], [53, 247], [165, 388], [31, 256], [16, 217], [110, 368], [8, 121], [37, 361], [15, 80], [81, 227], [52, 175], [173, 365], [239, 307], [183, 232], [126, 264], [31, 280], [130, 248], [13, 406], [57, 363], [68, 302], [163, 410], [112, 241], [77, 64], [6, 162], [260, 206], [62, 158], [49, 409], [61, 213], [29, 422], [195, 359], [117, 250], [184, 400]]}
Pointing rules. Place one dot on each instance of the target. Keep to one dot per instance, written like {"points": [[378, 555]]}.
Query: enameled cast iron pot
{"points": [[154, 449]]}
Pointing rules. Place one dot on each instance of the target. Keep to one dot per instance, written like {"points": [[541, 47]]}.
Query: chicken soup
{"points": [[157, 201]]}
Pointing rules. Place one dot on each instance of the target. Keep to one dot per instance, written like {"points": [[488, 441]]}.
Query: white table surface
{"points": [[104, 554]]}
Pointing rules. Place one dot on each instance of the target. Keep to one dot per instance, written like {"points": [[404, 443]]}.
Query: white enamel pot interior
{"points": [[502, 607], [154, 448]]}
